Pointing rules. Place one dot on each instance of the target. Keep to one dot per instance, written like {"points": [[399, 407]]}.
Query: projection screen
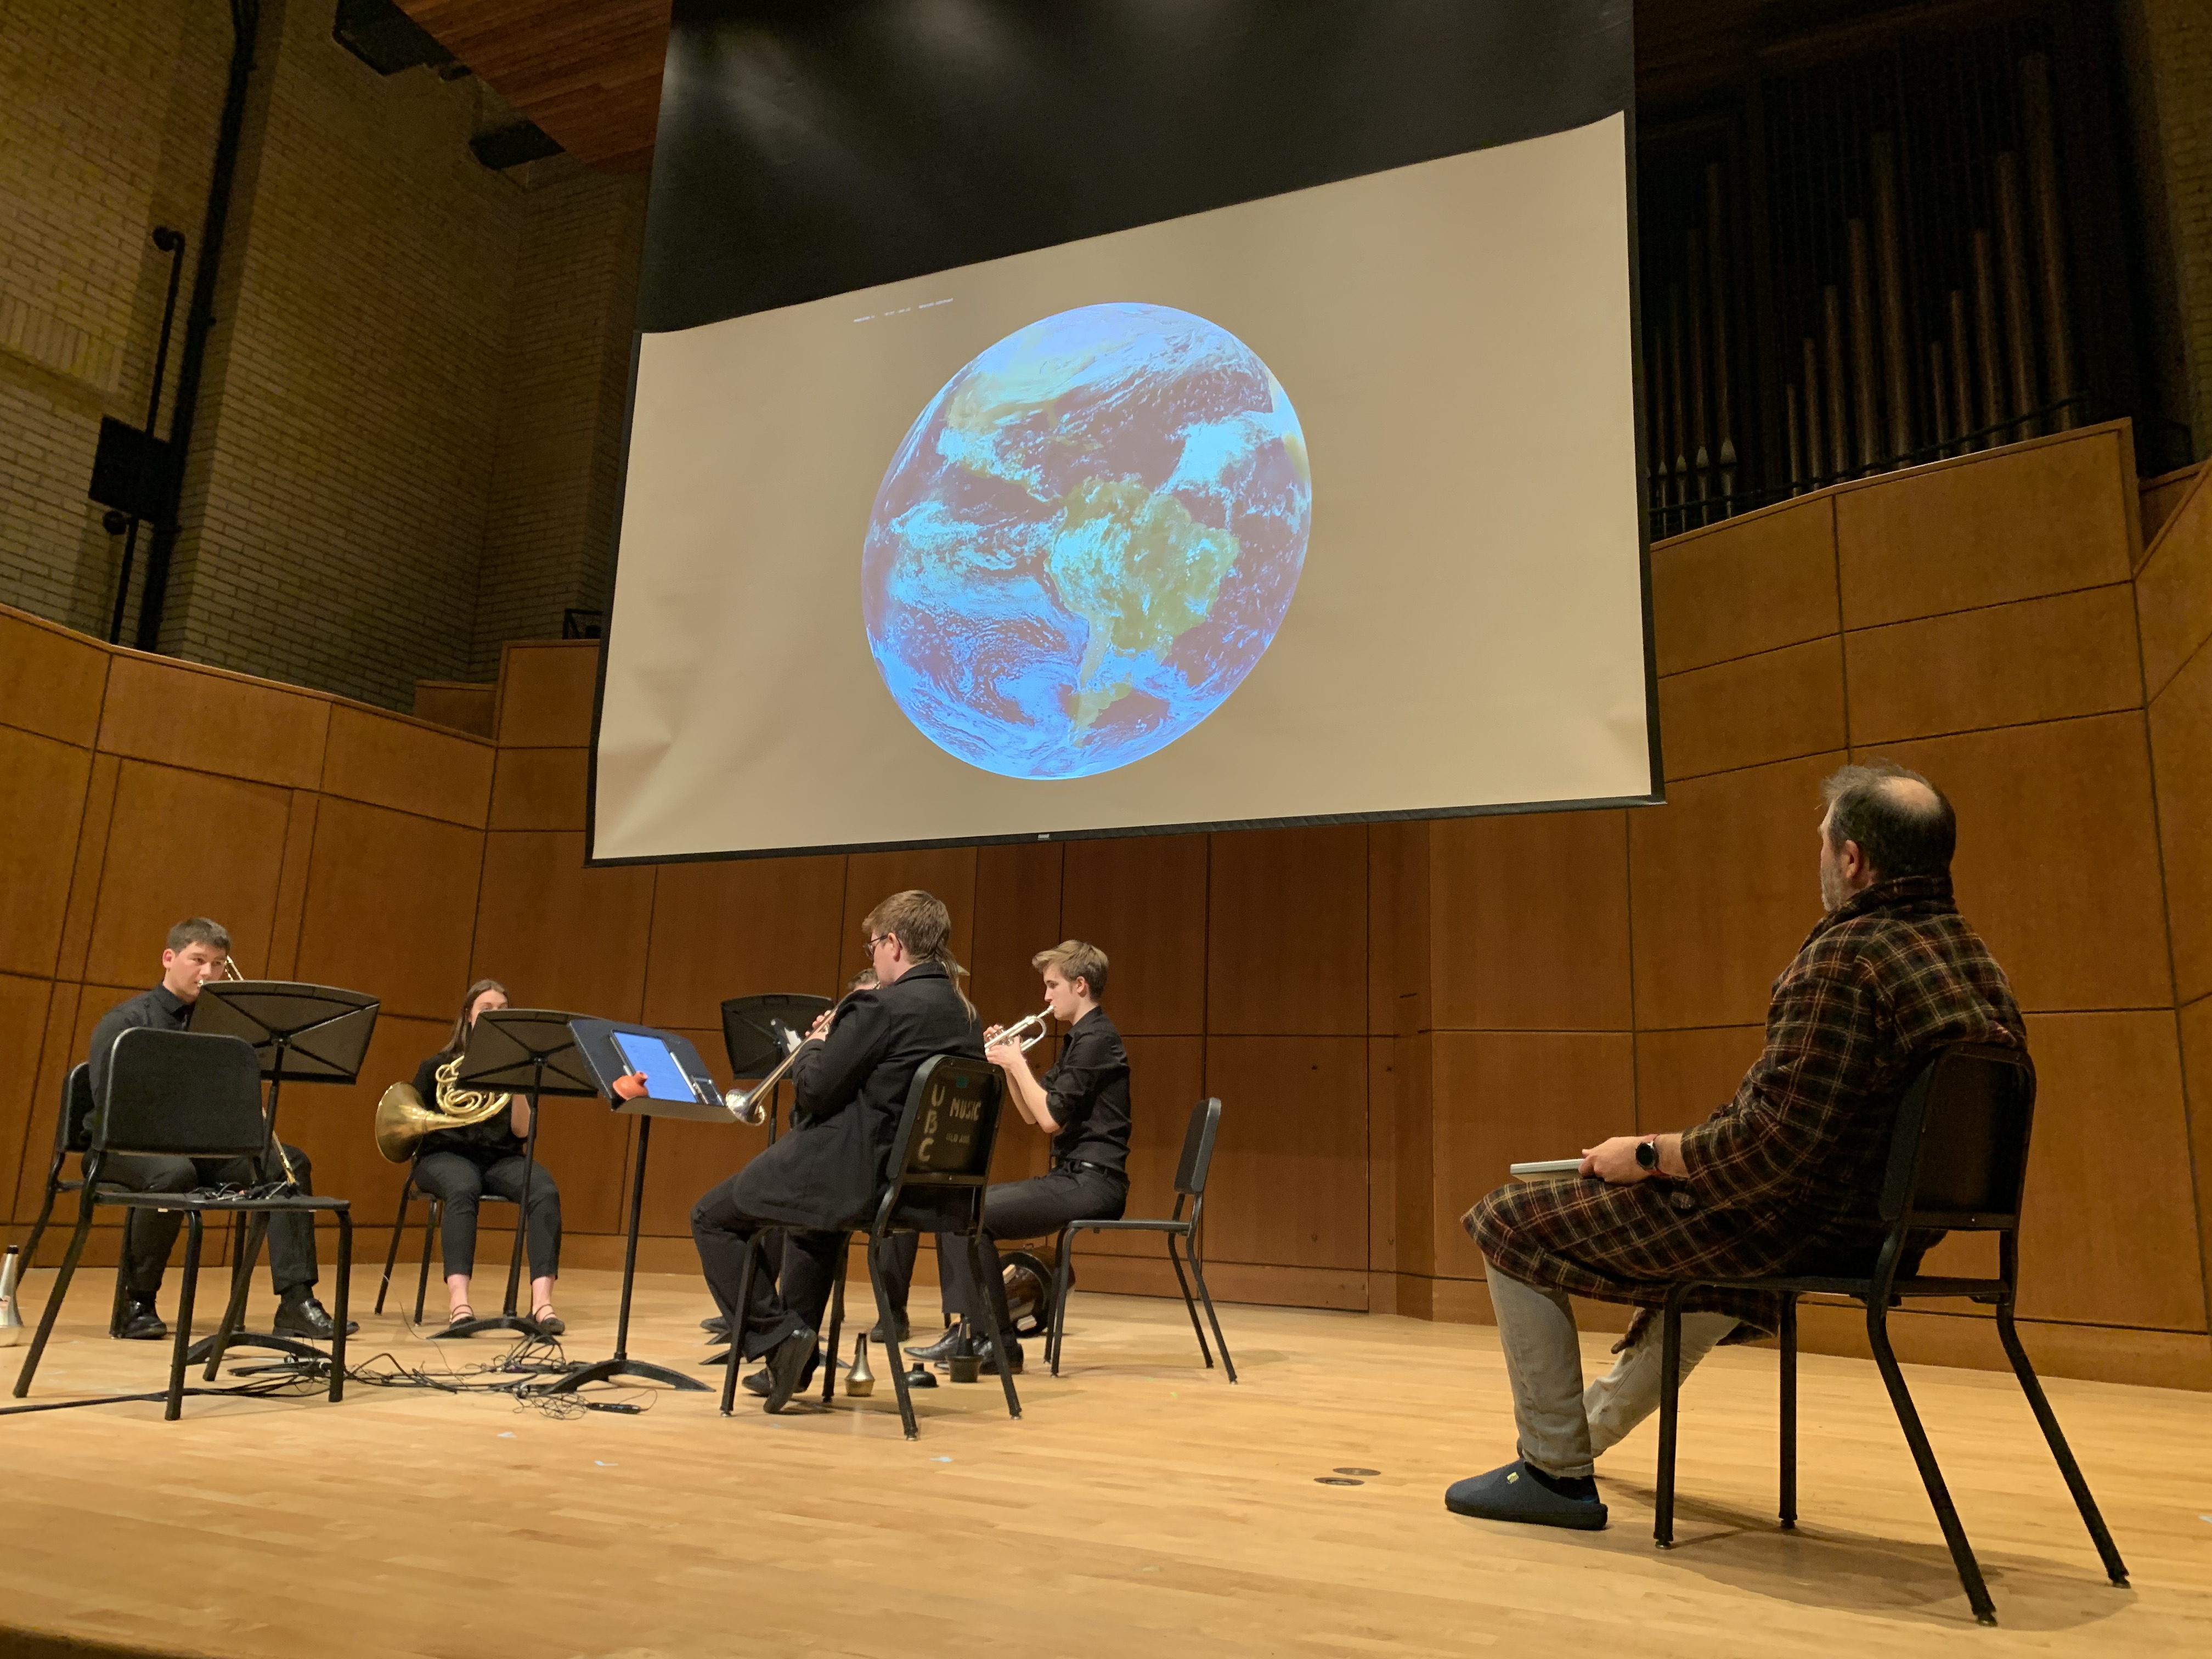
{"points": [[1313, 507]]}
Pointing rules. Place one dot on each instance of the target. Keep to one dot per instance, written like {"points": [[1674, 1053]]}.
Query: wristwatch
{"points": [[1647, 1152]]}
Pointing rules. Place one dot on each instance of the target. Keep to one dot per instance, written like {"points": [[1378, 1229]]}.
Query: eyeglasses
{"points": [[874, 940]]}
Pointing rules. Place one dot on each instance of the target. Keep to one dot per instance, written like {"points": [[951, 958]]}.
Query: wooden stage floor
{"points": [[1142, 1506]]}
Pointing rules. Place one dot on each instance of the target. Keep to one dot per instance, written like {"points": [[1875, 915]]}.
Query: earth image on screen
{"points": [[1086, 541]]}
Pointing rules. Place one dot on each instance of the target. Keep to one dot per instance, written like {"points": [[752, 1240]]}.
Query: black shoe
{"points": [[760, 1381], [789, 1365], [141, 1323], [1521, 1492], [298, 1314], [943, 1349], [990, 1366], [716, 1326], [876, 1333]]}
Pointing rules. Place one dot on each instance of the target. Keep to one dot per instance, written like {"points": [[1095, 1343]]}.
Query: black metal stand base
{"points": [[601, 1370], [500, 1321], [197, 1354]]}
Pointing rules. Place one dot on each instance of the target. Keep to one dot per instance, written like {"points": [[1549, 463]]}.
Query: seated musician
{"points": [[459, 1166], [197, 954], [821, 1180], [1083, 1104], [1783, 1178]]}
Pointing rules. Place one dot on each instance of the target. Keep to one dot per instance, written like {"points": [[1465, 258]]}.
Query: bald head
{"points": [[1883, 823]]}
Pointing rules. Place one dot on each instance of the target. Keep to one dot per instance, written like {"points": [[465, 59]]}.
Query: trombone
{"points": [[1011, 1032]]}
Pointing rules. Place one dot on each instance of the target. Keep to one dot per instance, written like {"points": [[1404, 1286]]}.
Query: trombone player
{"points": [[1083, 1104], [197, 953]]}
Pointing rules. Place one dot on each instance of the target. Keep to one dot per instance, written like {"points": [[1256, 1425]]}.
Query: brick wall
{"points": [[108, 121], [548, 543], [409, 424]]}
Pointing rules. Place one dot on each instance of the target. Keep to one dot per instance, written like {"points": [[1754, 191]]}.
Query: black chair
{"points": [[940, 1161], [408, 1191], [187, 1094], [1190, 1189], [1957, 1160], [72, 1135]]}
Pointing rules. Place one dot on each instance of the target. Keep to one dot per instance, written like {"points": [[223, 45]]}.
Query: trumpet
{"points": [[1013, 1031]]}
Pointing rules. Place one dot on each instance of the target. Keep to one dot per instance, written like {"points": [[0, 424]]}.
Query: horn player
{"points": [[1083, 1104], [459, 1165]]}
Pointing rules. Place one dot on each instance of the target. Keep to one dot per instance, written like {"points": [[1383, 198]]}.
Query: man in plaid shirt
{"points": [[1783, 1178]]}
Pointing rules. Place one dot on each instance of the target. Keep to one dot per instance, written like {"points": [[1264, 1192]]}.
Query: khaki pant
{"points": [[1564, 1426]]}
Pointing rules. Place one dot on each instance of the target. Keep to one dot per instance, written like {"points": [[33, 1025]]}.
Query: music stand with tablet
{"points": [[521, 1051], [300, 1033], [759, 1031], [678, 1086]]}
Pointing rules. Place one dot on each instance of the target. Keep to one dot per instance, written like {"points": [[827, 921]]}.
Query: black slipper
{"points": [[1520, 1491]]}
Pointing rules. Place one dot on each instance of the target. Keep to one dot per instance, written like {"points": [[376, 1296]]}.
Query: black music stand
{"points": [[595, 1039], [300, 1034], [527, 1051], [759, 1031]]}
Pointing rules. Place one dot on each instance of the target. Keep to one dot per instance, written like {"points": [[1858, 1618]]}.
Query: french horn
{"points": [[403, 1118]]}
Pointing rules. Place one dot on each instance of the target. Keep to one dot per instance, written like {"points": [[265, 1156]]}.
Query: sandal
{"points": [[549, 1323], [460, 1316]]}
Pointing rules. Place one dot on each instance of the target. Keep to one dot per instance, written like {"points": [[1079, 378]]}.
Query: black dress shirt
{"points": [[495, 1134], [159, 1009], [1087, 1091]]}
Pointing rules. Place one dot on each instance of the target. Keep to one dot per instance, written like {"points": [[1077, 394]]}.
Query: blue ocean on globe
{"points": [[1086, 541]]}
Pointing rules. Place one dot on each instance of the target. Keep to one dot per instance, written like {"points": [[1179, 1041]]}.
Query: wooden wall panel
{"points": [[2109, 1236], [44, 1069], [1683, 1077], [1754, 583], [2174, 589], [1531, 923], [545, 693], [1726, 885], [181, 714], [2196, 1022], [587, 1147], [1288, 1186], [872, 878], [51, 680], [387, 760], [391, 907], [283, 958], [185, 844], [558, 935], [458, 705], [1753, 710], [2058, 863], [2181, 755], [1017, 914], [1506, 1096], [41, 812], [24, 1003], [1290, 907], [740, 927], [2160, 497], [91, 856], [540, 789], [2017, 523], [2007, 664], [1399, 928], [1142, 899]]}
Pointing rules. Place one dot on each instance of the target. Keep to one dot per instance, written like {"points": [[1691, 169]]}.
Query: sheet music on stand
{"points": [[1549, 1169]]}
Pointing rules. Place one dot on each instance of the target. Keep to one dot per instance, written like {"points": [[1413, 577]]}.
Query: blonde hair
{"points": [[1076, 960], [923, 927]]}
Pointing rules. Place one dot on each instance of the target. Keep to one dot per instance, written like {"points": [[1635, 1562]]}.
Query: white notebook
{"points": [[1550, 1168]]}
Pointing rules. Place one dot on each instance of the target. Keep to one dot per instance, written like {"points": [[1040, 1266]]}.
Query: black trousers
{"points": [[791, 1284], [460, 1176], [1013, 1209], [149, 1235]]}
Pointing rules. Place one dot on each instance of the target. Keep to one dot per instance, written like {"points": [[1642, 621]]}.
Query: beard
{"points": [[1834, 893]]}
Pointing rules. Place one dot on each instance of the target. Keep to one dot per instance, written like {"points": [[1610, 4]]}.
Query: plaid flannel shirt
{"points": [[1784, 1177]]}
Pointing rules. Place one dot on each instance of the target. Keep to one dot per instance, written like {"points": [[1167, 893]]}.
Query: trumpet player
{"points": [[197, 953], [821, 1179], [1083, 1104], [459, 1166]]}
